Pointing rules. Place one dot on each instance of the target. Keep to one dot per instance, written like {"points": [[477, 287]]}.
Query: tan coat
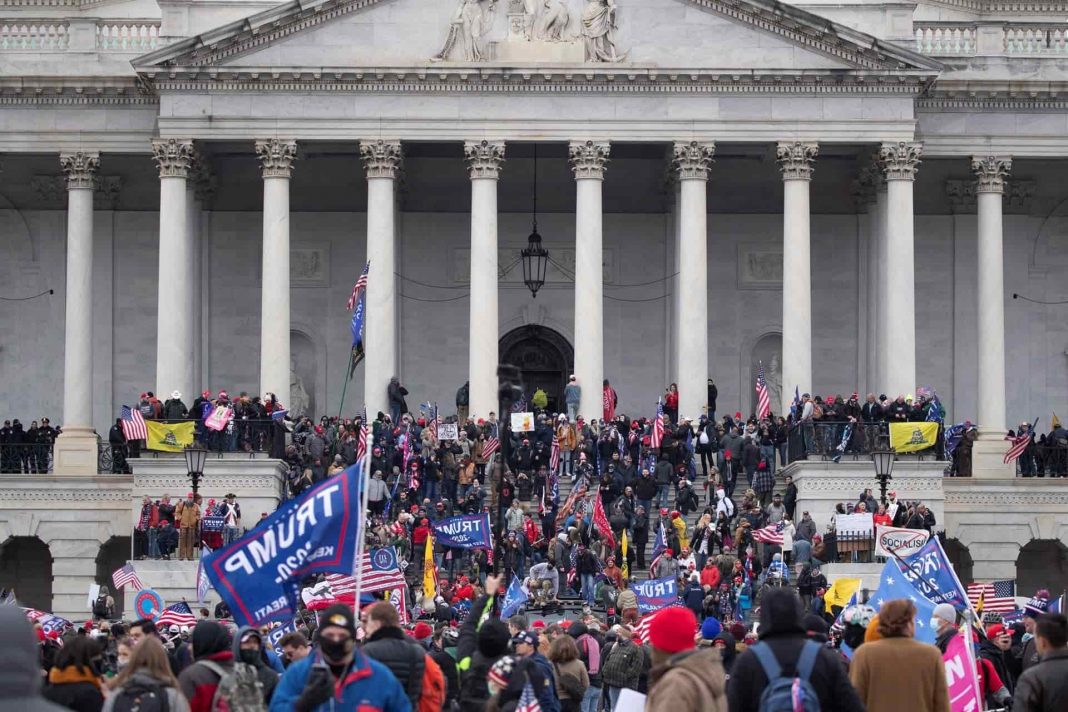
{"points": [[188, 516], [689, 682], [896, 674], [573, 667]]}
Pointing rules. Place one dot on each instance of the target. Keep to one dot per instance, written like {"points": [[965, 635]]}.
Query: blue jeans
{"points": [[153, 543], [768, 453], [613, 696], [394, 414], [662, 493], [591, 699], [431, 489], [587, 588], [230, 535]]}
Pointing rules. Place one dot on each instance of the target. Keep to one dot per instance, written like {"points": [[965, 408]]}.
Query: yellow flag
{"points": [[840, 592], [430, 574], [912, 437], [1055, 423], [623, 549], [169, 437]]}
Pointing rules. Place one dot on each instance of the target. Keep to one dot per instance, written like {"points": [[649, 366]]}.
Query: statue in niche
{"points": [[767, 351], [773, 377], [471, 23], [599, 31], [554, 21], [299, 400]]}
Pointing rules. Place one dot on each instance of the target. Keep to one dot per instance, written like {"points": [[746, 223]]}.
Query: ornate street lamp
{"points": [[535, 257], [194, 465], [883, 462]]}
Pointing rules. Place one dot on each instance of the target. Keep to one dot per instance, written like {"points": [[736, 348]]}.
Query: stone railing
{"points": [[127, 36], [990, 39], [31, 35]]}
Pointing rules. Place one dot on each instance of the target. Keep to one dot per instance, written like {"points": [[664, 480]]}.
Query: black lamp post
{"points": [[883, 462], [535, 257], [194, 465]]}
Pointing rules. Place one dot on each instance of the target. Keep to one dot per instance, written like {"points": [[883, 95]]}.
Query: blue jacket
{"points": [[368, 687], [548, 700]]}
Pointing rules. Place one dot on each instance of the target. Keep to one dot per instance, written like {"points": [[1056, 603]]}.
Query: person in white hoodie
{"points": [[724, 504]]}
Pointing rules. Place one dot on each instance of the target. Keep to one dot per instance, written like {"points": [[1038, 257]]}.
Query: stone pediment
{"points": [[603, 37]]}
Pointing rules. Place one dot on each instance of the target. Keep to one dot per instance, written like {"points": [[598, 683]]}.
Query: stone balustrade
{"points": [[105, 36], [1013, 39], [127, 36], [34, 35], [946, 39]]}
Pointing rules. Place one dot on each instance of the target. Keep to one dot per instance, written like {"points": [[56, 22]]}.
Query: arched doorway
{"points": [[961, 559], [1042, 563], [112, 555], [26, 566], [544, 358]]}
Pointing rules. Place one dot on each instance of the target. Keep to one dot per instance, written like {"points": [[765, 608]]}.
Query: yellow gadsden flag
{"points": [[430, 574], [913, 437], [840, 592], [169, 437]]}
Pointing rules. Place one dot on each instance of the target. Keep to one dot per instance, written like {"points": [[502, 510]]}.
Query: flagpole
{"points": [[345, 387], [361, 521]]}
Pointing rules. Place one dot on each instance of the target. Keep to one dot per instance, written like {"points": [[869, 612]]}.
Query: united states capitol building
{"points": [[849, 193]]}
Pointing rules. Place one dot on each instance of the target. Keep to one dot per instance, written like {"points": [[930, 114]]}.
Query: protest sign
{"points": [[655, 594], [448, 431], [522, 422], [961, 678], [258, 576], [854, 524], [894, 541], [464, 532]]}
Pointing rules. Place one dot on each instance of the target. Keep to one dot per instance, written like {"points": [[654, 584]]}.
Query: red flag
{"points": [[600, 520]]}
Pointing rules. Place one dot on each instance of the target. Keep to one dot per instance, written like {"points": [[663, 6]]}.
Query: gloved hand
{"points": [[318, 689]]}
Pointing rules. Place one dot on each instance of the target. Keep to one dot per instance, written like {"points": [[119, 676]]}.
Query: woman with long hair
{"points": [[74, 680], [148, 673], [572, 679]]}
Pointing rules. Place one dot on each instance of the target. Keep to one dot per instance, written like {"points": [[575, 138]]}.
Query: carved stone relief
{"points": [[309, 265], [760, 266]]}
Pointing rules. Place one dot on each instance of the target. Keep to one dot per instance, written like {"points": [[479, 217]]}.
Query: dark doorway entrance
{"points": [[544, 358]]}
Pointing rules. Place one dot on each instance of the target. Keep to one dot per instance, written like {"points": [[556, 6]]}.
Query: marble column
{"points": [[174, 321], [382, 161], [75, 450], [276, 159], [588, 160], [878, 292], [691, 161], [795, 161], [899, 162], [990, 173], [484, 159]]}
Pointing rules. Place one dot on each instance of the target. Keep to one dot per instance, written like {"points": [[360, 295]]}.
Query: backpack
{"points": [[239, 690], [140, 695], [432, 696], [100, 607], [788, 694]]}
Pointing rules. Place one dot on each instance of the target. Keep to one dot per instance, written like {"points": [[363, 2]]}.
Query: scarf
{"points": [[71, 675]]}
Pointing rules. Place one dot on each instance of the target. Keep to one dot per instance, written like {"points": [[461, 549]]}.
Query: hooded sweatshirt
{"points": [[268, 677], [197, 682], [20, 671]]}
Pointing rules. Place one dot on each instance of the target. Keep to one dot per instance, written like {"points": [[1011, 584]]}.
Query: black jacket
{"points": [[405, 658], [448, 669], [999, 659], [829, 678], [1044, 686]]}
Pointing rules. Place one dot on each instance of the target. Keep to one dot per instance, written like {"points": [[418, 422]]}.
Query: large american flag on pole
{"points": [[770, 534], [658, 426], [997, 596], [126, 575], [361, 442], [554, 454], [492, 446], [179, 614], [133, 425], [763, 400], [361, 284], [380, 570], [1019, 444]]}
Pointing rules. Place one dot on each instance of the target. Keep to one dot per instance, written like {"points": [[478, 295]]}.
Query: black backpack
{"points": [[140, 695], [100, 607]]}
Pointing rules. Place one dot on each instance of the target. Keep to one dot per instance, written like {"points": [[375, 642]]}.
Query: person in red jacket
{"points": [[211, 649], [710, 575], [464, 590]]}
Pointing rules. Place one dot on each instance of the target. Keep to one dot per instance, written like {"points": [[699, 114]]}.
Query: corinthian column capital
{"points": [[173, 156], [899, 160], [991, 172], [588, 158], [795, 159], [80, 168], [484, 158], [381, 158], [277, 156], [692, 159]]}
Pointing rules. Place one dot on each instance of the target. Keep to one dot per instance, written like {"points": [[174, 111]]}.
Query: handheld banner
{"points": [[902, 543], [514, 597], [961, 678], [464, 532], [655, 594], [258, 575], [147, 603]]}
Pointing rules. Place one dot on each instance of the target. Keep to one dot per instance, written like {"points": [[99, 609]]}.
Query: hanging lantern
{"points": [[535, 261]]}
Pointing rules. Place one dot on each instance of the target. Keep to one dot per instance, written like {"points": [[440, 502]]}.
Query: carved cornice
{"points": [[991, 172], [276, 157], [837, 486], [982, 499], [174, 157], [1041, 96], [484, 158], [119, 497], [899, 160], [381, 159], [795, 159], [80, 168], [961, 194], [691, 160], [588, 159]]}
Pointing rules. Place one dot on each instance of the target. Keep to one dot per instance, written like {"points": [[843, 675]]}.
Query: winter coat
{"points": [[693, 680], [405, 658], [369, 685], [1043, 686], [175, 701], [623, 665], [188, 516], [74, 689], [20, 669], [900, 674]]}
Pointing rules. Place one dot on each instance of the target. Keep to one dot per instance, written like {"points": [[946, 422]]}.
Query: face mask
{"points": [[250, 657], [935, 623], [122, 662], [335, 650]]}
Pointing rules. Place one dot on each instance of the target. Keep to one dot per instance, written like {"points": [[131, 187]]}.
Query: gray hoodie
{"points": [[20, 669]]}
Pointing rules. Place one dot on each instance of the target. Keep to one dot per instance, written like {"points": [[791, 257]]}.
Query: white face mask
{"points": [[936, 623]]}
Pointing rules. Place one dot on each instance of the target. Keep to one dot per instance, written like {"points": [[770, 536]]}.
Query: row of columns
{"points": [[892, 354]]}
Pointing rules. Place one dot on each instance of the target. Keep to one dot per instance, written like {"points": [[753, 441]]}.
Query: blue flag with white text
{"points": [[470, 531], [930, 572], [259, 575], [514, 597], [894, 585], [655, 594]]}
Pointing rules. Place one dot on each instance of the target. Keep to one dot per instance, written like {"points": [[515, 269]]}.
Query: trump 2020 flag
{"points": [[930, 573], [259, 575], [656, 594], [464, 532], [359, 315], [514, 597]]}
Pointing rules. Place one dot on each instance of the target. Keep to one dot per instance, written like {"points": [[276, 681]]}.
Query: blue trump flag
{"points": [[930, 573], [514, 597], [259, 575], [464, 532], [893, 584], [655, 594]]}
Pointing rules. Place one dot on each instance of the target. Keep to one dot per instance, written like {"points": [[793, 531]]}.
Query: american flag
{"points": [[527, 701], [658, 426], [554, 454], [179, 614], [126, 575], [1019, 444], [569, 504], [771, 534], [380, 571], [998, 596], [641, 630], [361, 284], [361, 442], [492, 445], [763, 400], [133, 425]]}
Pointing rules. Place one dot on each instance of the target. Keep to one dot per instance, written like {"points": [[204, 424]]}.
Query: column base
{"points": [[988, 455], [75, 452]]}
